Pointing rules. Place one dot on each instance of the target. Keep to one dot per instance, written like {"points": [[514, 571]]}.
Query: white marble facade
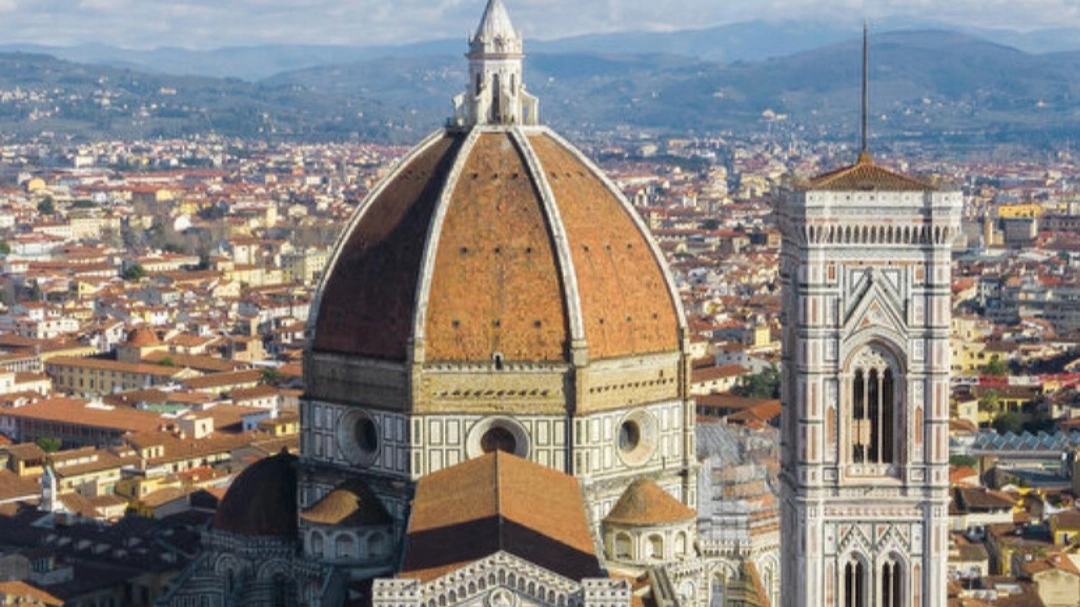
{"points": [[866, 377]]}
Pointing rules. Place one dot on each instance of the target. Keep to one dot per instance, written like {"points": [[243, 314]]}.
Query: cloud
{"points": [[216, 23]]}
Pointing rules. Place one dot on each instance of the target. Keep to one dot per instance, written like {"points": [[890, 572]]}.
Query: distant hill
{"points": [[738, 42], [926, 85], [746, 41], [246, 63], [41, 94]]}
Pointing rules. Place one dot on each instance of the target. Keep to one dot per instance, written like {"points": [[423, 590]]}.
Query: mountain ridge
{"points": [[925, 84], [744, 41]]}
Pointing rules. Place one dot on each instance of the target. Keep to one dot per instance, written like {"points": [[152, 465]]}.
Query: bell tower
{"points": [[866, 269]]}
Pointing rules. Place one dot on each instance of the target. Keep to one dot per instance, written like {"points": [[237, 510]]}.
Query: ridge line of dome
{"points": [[434, 235], [358, 216], [658, 256], [578, 346]]}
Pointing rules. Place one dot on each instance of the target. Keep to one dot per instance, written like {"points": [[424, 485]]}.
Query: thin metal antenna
{"points": [[864, 151]]}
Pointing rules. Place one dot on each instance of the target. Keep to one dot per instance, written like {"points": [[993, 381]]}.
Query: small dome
{"points": [[646, 503], [143, 337], [351, 504], [262, 500]]}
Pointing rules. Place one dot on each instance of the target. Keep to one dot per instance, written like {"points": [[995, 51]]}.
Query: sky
{"points": [[208, 24]]}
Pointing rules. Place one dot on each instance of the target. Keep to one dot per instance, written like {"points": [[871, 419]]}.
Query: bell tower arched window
{"points": [[873, 410], [855, 584], [892, 576]]}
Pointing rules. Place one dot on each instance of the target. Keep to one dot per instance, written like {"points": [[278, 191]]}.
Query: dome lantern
{"points": [[495, 94]]}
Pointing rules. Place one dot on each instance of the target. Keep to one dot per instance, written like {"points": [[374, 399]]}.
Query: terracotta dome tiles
{"points": [[351, 504], [368, 304], [646, 503], [261, 502], [495, 285], [625, 300]]}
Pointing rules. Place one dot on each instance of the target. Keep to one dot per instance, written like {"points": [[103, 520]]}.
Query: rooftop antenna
{"points": [[864, 151]]}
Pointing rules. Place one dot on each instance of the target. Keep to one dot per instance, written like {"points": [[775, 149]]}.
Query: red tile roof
{"points": [[866, 175], [499, 502]]}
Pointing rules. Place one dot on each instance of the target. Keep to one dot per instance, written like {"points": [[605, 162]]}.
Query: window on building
{"points": [[656, 547], [281, 590], [498, 439], [344, 546], [376, 545], [855, 585], [873, 411], [680, 544], [717, 593], [891, 584], [624, 548]]}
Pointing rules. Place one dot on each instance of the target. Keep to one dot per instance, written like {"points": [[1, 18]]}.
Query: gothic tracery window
{"points": [[891, 584], [855, 584], [873, 410]]}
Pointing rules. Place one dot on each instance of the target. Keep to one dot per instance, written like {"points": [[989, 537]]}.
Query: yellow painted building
{"points": [[1065, 527], [97, 376], [967, 344], [1019, 211]]}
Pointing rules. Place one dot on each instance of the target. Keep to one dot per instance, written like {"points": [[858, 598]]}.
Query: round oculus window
{"points": [[629, 435], [366, 435], [497, 434], [498, 438], [636, 438], [358, 438]]}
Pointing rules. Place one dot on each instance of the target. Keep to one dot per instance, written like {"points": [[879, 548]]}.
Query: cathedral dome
{"points": [[496, 243], [261, 502], [497, 283]]}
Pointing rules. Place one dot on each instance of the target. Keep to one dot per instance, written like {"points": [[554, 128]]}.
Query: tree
{"points": [[765, 384], [5, 248], [134, 272], [963, 461], [996, 367], [111, 237], [167, 362], [989, 402], [47, 206], [1008, 421], [49, 444], [270, 376]]}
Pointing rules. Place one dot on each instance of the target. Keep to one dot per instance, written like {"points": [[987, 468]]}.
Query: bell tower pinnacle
{"points": [[496, 93]]}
